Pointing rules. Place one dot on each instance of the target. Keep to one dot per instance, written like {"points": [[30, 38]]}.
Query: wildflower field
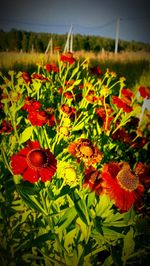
{"points": [[75, 167]]}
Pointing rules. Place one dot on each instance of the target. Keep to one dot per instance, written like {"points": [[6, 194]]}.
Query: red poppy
{"points": [[121, 184], [93, 179], [67, 58], [121, 104], [34, 163], [38, 118], [26, 77], [145, 92], [86, 151], [31, 104]]}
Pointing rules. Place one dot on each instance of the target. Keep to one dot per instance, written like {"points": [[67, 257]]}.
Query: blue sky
{"points": [[91, 17]]}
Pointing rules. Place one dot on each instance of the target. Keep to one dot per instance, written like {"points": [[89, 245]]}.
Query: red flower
{"points": [[31, 104], [51, 120], [86, 151], [26, 77], [121, 104], [70, 111], [38, 118], [143, 172], [145, 92], [34, 163], [102, 114], [127, 95], [91, 97], [96, 70], [121, 184], [127, 92], [93, 179], [38, 76], [68, 95], [52, 67], [60, 90], [67, 58], [6, 127], [122, 135]]}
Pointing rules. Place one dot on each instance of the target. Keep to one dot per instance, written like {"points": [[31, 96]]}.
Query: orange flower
{"points": [[122, 185], [70, 111], [68, 95], [91, 97], [86, 151]]}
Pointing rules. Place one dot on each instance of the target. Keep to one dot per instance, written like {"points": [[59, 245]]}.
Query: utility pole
{"points": [[117, 35], [49, 46], [69, 42]]}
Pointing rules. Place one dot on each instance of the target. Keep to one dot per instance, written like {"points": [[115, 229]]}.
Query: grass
{"points": [[134, 66]]}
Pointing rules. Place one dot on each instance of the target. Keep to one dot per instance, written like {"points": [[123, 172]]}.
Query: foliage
{"points": [[86, 210], [16, 40]]}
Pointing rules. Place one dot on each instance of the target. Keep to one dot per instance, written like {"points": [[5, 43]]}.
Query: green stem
{"points": [[5, 160]]}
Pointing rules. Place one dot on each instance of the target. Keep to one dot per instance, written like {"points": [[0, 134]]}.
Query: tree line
{"points": [[16, 40]]}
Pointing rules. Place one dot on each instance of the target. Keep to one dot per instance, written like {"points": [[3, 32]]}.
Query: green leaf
{"points": [[28, 188], [103, 207], [31, 201], [111, 234], [79, 126], [129, 245], [66, 219], [69, 238], [90, 199], [83, 227], [80, 207], [26, 134]]}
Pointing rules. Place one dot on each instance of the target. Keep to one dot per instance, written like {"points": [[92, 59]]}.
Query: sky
{"points": [[89, 17]]}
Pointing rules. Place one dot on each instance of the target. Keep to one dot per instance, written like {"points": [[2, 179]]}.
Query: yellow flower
{"points": [[68, 172]]}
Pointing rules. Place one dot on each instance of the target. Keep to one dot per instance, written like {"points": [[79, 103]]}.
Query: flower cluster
{"points": [[72, 126]]}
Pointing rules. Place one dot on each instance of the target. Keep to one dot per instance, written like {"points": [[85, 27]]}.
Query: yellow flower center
{"points": [[127, 180], [86, 150]]}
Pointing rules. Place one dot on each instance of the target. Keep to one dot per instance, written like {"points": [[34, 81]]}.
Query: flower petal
{"points": [[47, 173], [33, 145], [31, 175], [18, 164]]}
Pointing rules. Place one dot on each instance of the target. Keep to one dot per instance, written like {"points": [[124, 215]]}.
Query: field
{"points": [[134, 66], [75, 165]]}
